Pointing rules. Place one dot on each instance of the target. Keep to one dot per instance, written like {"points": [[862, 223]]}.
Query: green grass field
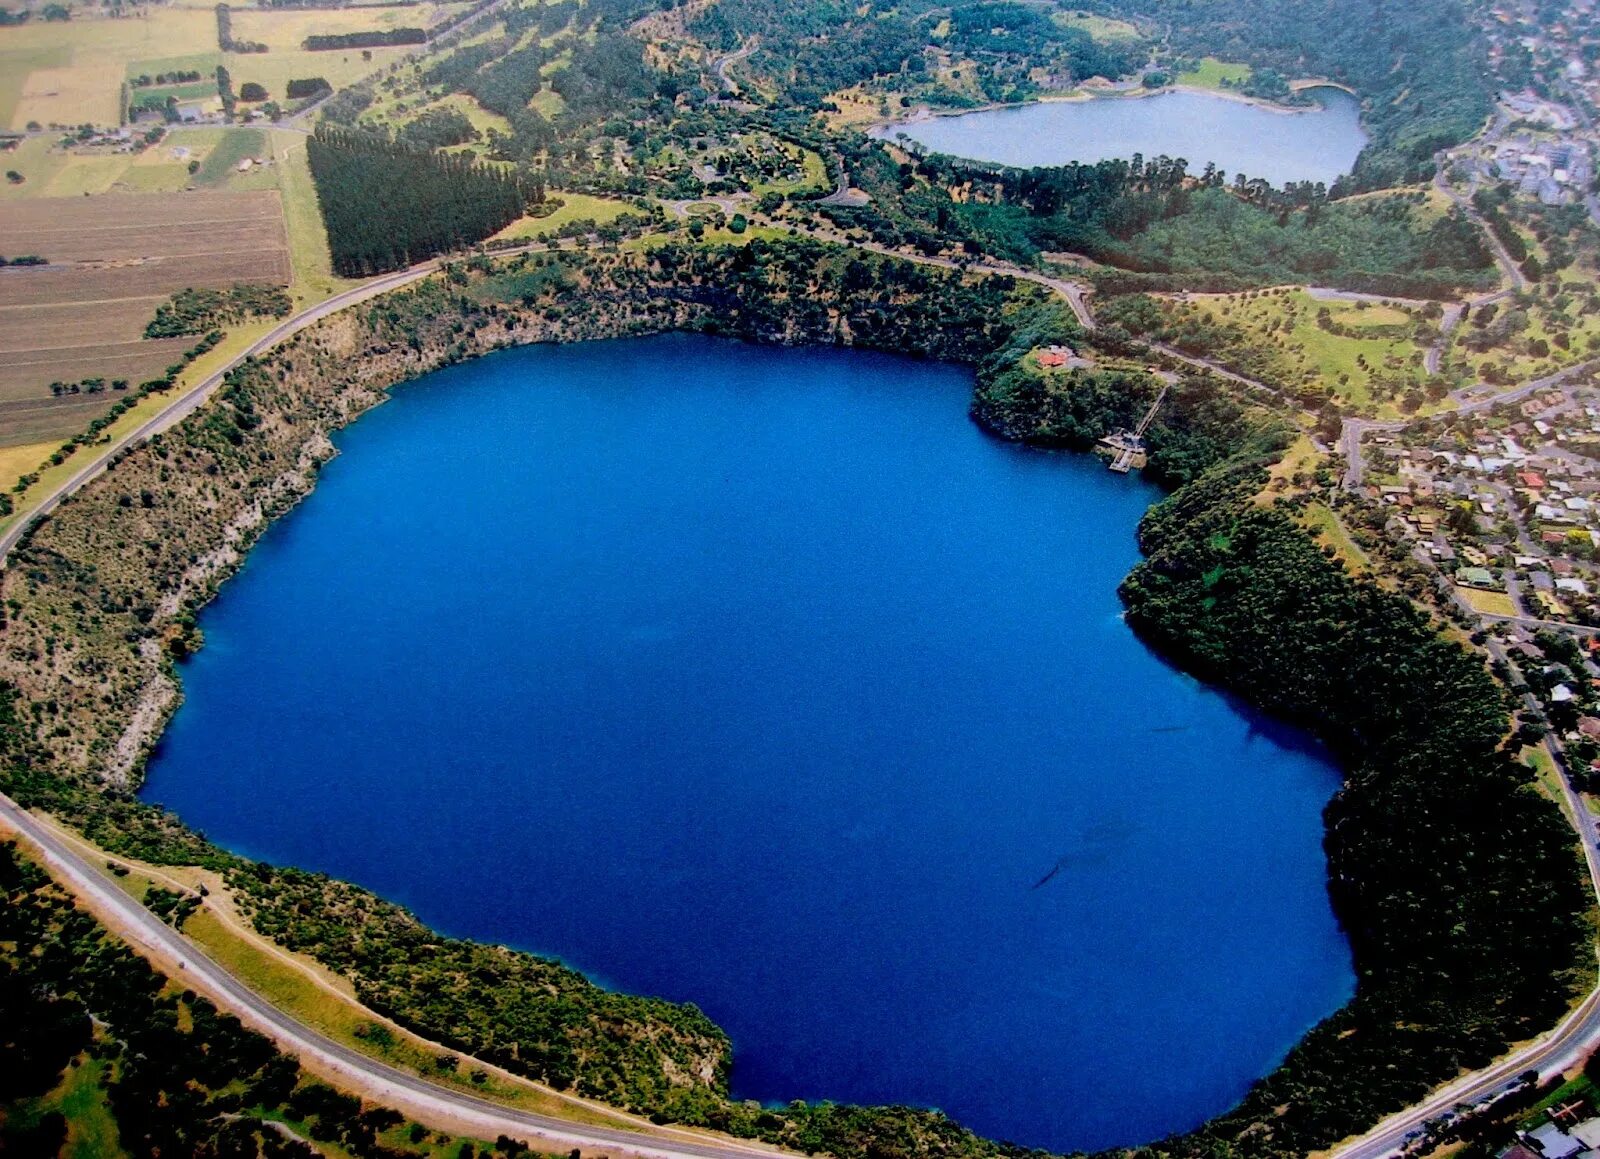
{"points": [[815, 177], [204, 63], [81, 1099], [92, 1131], [156, 95], [308, 241], [1211, 73], [233, 146], [575, 207], [1331, 531], [1286, 321], [482, 119], [1099, 27]]}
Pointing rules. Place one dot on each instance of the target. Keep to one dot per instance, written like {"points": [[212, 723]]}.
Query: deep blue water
{"points": [[762, 678], [1306, 145]]}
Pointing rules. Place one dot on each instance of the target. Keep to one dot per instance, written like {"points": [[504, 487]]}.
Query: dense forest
{"points": [[812, 49], [1201, 426], [143, 1067], [1419, 66], [1457, 884], [381, 38], [387, 204], [1162, 227]]}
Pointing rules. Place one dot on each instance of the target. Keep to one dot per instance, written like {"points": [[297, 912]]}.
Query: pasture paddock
{"points": [[283, 31], [71, 72]]}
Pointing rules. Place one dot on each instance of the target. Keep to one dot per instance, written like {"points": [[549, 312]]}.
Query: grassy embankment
{"points": [[1211, 73], [1282, 338], [307, 991]]}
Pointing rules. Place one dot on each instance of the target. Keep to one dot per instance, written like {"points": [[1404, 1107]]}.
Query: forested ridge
{"points": [[1459, 886], [1159, 226], [814, 48], [1419, 66]]}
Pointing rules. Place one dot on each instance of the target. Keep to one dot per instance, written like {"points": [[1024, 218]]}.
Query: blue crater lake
{"points": [[1319, 144], [761, 678]]}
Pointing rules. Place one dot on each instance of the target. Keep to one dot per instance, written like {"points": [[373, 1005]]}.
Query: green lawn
{"points": [[92, 1131], [482, 119], [204, 63], [234, 146], [575, 207], [1211, 73], [157, 94], [1099, 27], [1286, 322], [81, 1099], [814, 177]]}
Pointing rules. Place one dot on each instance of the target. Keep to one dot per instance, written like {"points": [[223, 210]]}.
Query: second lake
{"points": [[1318, 144]]}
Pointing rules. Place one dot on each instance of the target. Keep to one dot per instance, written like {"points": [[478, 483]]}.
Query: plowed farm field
{"points": [[111, 261]]}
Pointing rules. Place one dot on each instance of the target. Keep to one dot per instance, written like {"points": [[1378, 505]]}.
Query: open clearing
{"points": [[1331, 532], [111, 262], [575, 207], [1490, 603], [284, 31], [1360, 343], [1099, 27], [1211, 73]]}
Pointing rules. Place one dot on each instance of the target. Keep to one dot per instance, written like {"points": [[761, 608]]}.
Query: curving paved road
{"points": [[376, 1080], [188, 400], [721, 64], [1561, 1050]]}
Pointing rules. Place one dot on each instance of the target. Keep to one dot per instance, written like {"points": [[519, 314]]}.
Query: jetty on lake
{"points": [[1126, 448]]}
